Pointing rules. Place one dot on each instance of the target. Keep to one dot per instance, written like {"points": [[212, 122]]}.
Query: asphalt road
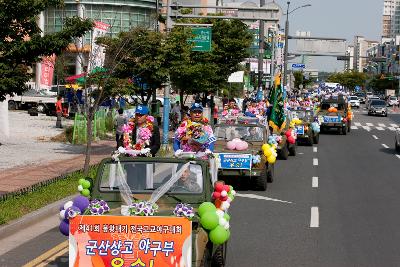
{"points": [[334, 204]]}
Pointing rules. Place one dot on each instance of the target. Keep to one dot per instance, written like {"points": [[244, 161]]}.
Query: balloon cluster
{"points": [[315, 127], [270, 152], [84, 187], [256, 159], [294, 122], [291, 136], [332, 109], [215, 218], [70, 210], [237, 144], [274, 139]]}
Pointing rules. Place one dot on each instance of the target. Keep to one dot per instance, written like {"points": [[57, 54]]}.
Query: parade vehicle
{"points": [[286, 148], [335, 113], [159, 179], [307, 131], [239, 152]]}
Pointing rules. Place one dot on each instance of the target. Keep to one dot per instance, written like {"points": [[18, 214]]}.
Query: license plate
{"points": [[235, 161], [300, 129], [328, 119]]}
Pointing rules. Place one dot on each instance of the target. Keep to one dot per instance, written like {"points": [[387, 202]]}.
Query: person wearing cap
{"points": [[141, 120], [196, 117]]}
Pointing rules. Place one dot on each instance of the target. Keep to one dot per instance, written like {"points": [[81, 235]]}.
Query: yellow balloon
{"points": [[271, 159], [268, 152], [264, 147]]}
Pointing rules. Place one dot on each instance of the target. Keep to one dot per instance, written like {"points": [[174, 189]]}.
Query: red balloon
{"points": [[225, 198], [227, 188], [216, 195], [218, 203], [291, 140], [288, 133], [219, 187]]}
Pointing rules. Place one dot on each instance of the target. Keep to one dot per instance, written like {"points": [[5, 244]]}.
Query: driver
{"points": [[188, 181], [252, 135]]}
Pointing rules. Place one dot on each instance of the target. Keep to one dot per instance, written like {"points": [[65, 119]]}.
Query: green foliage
{"points": [[378, 84], [21, 42], [18, 206], [349, 79]]}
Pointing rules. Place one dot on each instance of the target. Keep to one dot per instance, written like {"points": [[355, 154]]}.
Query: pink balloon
{"points": [[291, 140], [230, 145], [288, 133], [242, 146]]}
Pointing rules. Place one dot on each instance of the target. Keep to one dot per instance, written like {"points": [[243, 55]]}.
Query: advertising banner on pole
{"points": [[46, 78], [130, 241], [97, 55]]}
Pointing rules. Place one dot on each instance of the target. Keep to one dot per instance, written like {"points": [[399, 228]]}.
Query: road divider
{"points": [[315, 182], [314, 222]]}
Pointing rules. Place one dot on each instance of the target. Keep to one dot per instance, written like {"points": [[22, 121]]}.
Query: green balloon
{"points": [[85, 192], [227, 217], [209, 220], [81, 181], [219, 235], [86, 184], [205, 207]]}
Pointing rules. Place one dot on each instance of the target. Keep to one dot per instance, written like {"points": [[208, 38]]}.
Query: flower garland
{"points": [[227, 112], [142, 208], [184, 210], [194, 136], [144, 135]]}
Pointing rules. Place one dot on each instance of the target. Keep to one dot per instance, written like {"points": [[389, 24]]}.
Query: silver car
{"points": [[397, 140], [377, 107]]}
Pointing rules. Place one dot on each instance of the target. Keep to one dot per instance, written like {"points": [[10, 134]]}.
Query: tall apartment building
{"points": [[388, 14], [360, 52]]}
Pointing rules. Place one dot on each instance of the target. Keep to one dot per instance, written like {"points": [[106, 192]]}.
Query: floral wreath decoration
{"points": [[194, 134]]}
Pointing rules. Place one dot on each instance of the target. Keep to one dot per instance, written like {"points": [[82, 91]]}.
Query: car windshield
{"points": [[230, 132], [378, 103], [145, 177], [302, 114], [393, 98], [353, 98], [326, 106]]}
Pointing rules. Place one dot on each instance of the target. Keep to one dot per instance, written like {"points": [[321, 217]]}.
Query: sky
{"points": [[334, 18]]}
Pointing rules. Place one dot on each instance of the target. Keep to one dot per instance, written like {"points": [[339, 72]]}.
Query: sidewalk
{"points": [[21, 179]]}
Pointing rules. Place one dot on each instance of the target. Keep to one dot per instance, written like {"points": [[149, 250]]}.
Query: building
{"points": [[120, 15], [348, 64], [388, 13], [360, 52]]}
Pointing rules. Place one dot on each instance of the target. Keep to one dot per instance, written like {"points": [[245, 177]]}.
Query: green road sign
{"points": [[201, 40]]}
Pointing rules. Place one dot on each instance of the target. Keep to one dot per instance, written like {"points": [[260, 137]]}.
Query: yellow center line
{"points": [[55, 252]]}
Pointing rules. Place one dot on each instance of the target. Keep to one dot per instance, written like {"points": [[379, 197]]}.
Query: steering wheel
{"points": [[180, 188]]}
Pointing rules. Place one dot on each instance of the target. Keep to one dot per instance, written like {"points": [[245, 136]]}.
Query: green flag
{"points": [[277, 117]]}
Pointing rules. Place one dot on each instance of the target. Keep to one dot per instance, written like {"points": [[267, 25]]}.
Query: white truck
{"points": [[390, 92], [42, 101]]}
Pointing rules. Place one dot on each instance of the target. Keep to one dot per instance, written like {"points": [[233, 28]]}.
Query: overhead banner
{"points": [[47, 69], [130, 241], [97, 55]]}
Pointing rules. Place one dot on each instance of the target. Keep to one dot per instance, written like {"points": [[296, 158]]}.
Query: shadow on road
{"points": [[61, 261], [390, 150]]}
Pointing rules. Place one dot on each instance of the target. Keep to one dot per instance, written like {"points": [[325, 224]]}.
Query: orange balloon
{"points": [[218, 203]]}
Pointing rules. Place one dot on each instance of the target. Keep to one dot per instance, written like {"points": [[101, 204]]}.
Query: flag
{"points": [[277, 116]]}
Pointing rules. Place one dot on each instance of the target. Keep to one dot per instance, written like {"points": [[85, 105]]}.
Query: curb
{"points": [[33, 217]]}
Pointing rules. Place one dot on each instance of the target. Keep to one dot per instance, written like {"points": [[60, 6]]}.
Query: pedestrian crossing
{"points": [[370, 126]]}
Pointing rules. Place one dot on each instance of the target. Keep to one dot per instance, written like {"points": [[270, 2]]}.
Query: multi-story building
{"points": [[120, 15], [360, 52], [348, 64], [388, 13]]}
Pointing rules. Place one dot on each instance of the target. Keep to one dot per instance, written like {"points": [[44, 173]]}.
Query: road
{"points": [[333, 204]]}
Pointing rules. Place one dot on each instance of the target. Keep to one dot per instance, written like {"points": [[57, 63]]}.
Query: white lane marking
{"points": [[381, 124], [366, 128], [315, 182], [376, 137], [397, 155], [300, 153], [380, 128], [314, 217], [262, 198], [385, 146], [357, 124], [315, 149], [354, 127], [392, 128], [394, 125], [315, 161], [370, 124]]}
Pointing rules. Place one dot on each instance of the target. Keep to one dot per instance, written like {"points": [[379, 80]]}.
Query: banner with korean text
{"points": [[97, 55], [47, 66], [120, 241]]}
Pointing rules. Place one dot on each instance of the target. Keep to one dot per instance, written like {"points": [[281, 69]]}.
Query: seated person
{"points": [[188, 181], [253, 134]]}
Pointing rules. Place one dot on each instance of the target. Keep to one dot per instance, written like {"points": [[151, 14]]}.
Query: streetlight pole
{"points": [[285, 60], [261, 51]]}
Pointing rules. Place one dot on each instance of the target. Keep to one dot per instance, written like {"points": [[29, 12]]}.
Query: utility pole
{"points": [[285, 60], [261, 50], [272, 57]]}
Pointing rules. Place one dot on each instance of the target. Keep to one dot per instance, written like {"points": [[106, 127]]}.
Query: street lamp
{"points": [[287, 40]]}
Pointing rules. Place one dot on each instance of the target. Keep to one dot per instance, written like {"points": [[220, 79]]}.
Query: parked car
{"points": [[397, 140], [377, 107], [361, 97], [354, 101], [392, 101]]}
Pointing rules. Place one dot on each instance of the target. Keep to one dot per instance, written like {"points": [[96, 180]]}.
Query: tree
{"points": [[22, 45], [349, 79], [378, 84]]}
